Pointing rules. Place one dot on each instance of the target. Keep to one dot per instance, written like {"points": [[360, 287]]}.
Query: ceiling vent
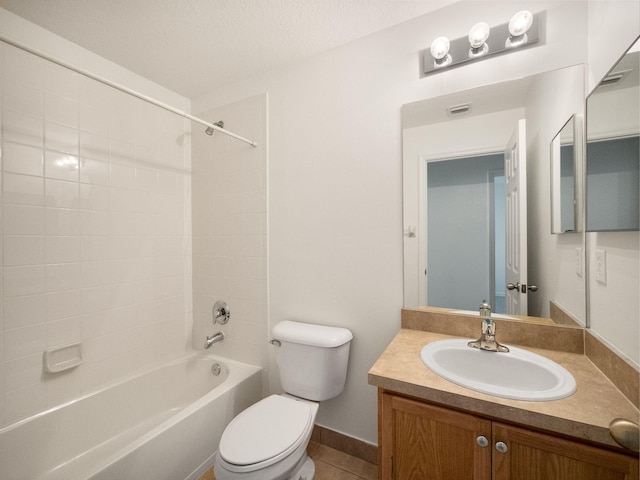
{"points": [[614, 78], [459, 109]]}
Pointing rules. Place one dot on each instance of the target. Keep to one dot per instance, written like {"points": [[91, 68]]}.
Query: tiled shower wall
{"points": [[230, 231], [95, 224]]}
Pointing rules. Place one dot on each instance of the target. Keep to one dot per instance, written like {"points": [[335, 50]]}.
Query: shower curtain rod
{"points": [[124, 89]]}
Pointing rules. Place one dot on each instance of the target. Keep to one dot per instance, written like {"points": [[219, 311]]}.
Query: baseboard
{"points": [[350, 445]]}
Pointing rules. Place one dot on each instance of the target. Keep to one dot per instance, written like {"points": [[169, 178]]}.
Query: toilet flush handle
{"points": [[275, 342]]}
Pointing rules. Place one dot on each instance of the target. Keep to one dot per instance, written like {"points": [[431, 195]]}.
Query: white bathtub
{"points": [[163, 424]]}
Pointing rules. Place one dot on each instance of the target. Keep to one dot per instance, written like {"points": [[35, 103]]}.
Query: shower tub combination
{"points": [[162, 424]]}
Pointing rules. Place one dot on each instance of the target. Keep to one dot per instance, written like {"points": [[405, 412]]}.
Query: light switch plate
{"points": [[601, 266]]}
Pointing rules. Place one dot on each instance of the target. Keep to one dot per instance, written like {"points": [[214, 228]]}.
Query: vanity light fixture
{"points": [[483, 41]]}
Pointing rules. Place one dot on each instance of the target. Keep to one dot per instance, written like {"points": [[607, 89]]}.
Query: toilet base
{"points": [[306, 472], [304, 469]]}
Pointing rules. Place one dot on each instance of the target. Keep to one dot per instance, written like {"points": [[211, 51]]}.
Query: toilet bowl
{"points": [[268, 441]]}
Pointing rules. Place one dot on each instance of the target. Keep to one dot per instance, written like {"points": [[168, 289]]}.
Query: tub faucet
{"points": [[211, 339], [487, 340]]}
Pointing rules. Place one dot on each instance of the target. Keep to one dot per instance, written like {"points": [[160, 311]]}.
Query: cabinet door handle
{"points": [[502, 447], [482, 441]]}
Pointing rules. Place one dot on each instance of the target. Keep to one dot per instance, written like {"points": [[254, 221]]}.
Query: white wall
{"points": [[95, 186], [335, 174]]}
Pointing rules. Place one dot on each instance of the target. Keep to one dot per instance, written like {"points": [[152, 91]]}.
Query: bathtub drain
{"points": [[215, 369]]}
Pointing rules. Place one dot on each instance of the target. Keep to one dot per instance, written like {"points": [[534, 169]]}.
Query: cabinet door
{"points": [[420, 441], [536, 456]]}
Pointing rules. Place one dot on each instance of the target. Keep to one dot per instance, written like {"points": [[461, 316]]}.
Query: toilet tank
{"points": [[312, 359]]}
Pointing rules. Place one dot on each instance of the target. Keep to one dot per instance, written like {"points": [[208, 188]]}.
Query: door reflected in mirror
{"points": [[465, 221], [563, 180]]}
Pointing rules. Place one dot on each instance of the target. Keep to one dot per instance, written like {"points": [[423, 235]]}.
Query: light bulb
{"points": [[520, 23], [479, 34], [440, 48]]}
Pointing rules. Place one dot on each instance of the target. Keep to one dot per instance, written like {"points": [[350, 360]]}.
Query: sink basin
{"points": [[517, 374]]}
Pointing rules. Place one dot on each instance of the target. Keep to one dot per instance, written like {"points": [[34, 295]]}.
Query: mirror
{"points": [[613, 112], [456, 241], [563, 179], [613, 154]]}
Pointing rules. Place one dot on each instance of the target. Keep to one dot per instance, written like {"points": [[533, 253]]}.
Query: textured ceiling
{"points": [[193, 46]]}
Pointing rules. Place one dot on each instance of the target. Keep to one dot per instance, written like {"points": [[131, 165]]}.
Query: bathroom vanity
{"points": [[432, 428]]}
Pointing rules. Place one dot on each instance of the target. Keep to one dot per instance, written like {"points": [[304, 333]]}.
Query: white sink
{"points": [[517, 374]]}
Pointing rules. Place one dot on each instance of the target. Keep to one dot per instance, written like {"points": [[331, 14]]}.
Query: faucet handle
{"points": [[485, 309]]}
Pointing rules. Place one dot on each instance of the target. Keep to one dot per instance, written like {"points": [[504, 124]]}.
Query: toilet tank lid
{"points": [[311, 334]]}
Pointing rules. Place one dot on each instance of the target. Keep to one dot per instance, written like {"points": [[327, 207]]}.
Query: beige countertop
{"points": [[585, 415]]}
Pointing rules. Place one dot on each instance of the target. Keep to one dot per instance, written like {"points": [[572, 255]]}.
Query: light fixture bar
{"points": [[499, 41]]}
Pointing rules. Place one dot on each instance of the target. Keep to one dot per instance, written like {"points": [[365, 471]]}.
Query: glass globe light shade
{"points": [[479, 34], [440, 47], [520, 23]]}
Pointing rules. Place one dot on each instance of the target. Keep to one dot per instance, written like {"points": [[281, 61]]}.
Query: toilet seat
{"points": [[265, 433]]}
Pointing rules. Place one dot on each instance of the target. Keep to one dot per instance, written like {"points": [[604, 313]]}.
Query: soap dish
{"points": [[63, 358]]}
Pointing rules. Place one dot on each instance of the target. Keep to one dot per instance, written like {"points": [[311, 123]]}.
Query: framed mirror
{"points": [[457, 152], [564, 164], [613, 153]]}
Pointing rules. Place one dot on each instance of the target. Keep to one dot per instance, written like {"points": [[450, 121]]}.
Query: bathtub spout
{"points": [[211, 339]]}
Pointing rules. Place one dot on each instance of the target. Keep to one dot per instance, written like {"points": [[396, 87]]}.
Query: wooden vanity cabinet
{"points": [[420, 441]]}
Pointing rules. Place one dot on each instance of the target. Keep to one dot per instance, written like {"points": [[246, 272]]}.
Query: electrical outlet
{"points": [[601, 266], [579, 261]]}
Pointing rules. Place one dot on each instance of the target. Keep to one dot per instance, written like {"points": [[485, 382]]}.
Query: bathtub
{"points": [[162, 424]]}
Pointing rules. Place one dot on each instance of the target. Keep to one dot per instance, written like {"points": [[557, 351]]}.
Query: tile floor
{"points": [[332, 464]]}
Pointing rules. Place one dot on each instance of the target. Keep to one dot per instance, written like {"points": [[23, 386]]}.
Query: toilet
{"points": [[268, 441]]}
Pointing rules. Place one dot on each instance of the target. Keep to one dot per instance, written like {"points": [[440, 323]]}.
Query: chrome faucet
{"points": [[487, 340], [211, 339]]}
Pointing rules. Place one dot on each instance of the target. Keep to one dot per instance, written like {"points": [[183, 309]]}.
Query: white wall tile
{"points": [[61, 138], [61, 194], [23, 98], [94, 146], [25, 159], [61, 305], [63, 276], [63, 332], [62, 82], [23, 189], [22, 372], [24, 250], [23, 220], [24, 311], [62, 249], [20, 128], [62, 222], [24, 280], [94, 171], [23, 341], [61, 110], [94, 197], [61, 166]]}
